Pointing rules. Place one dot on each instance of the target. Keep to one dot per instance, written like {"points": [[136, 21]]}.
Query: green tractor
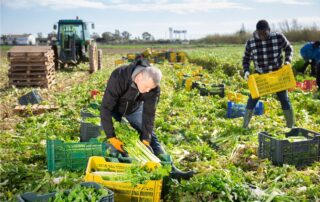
{"points": [[74, 44]]}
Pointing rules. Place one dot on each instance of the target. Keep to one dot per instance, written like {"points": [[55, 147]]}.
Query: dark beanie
{"points": [[262, 25]]}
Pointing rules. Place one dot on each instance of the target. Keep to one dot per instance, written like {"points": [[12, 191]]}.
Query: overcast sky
{"points": [[199, 18]]}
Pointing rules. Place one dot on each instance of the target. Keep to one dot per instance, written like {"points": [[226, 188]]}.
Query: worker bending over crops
{"points": [[265, 48], [133, 92], [311, 55]]}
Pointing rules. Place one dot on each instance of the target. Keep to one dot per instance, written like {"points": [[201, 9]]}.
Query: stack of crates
{"points": [[212, 89], [89, 130], [31, 66], [72, 155], [171, 56], [124, 191], [181, 57], [282, 151], [236, 97], [307, 85], [131, 57], [238, 110]]}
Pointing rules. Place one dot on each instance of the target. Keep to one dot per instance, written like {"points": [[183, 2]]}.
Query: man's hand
{"points": [[147, 144], [246, 75], [117, 144]]}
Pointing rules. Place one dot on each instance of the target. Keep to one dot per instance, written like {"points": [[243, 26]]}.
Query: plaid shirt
{"points": [[267, 55]]}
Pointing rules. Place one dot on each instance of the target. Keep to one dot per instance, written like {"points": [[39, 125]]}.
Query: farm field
{"points": [[194, 129]]}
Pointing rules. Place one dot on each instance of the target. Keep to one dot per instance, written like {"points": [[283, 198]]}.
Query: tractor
{"points": [[74, 45]]}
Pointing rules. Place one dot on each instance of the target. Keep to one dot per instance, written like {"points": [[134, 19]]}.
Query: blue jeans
{"points": [[135, 120], [282, 97]]}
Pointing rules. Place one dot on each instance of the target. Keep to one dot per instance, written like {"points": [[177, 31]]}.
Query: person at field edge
{"points": [[265, 48], [133, 92], [310, 52]]}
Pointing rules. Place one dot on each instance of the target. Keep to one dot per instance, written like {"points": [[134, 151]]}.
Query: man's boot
{"points": [[289, 116], [178, 174], [247, 117]]}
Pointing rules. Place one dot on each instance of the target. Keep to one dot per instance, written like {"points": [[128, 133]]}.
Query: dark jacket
{"points": [[123, 97]]}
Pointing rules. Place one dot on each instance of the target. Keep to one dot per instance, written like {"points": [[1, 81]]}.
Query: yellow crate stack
{"points": [[236, 97], [263, 84], [124, 191], [119, 62]]}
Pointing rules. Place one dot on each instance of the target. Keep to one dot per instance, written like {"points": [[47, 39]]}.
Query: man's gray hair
{"points": [[154, 73]]}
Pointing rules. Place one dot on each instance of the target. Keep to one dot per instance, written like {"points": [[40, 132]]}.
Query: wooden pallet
{"points": [[30, 68], [30, 73], [30, 59], [23, 51], [34, 109], [33, 82], [32, 63], [33, 78]]}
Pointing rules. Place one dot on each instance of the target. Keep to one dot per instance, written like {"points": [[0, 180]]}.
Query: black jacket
{"points": [[123, 97]]}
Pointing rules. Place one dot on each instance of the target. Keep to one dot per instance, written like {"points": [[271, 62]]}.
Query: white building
{"points": [[24, 39]]}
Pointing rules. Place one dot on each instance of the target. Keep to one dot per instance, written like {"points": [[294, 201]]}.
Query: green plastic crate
{"points": [[72, 155]]}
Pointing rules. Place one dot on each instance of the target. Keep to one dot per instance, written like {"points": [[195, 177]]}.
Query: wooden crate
{"points": [[35, 109]]}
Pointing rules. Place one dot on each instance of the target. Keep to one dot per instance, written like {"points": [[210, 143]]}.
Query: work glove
{"points": [[246, 75], [286, 62], [117, 144], [147, 144]]}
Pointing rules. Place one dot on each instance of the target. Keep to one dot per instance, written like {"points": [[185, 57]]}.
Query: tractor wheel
{"points": [[99, 59], [93, 58]]}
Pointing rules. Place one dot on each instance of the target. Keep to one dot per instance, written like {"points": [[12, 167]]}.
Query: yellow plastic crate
{"points": [[197, 71], [131, 56], [147, 52], [118, 62], [173, 57], [263, 84], [177, 66], [182, 56], [236, 97], [124, 191]]}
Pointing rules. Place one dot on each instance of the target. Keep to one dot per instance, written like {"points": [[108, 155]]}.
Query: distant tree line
{"points": [[121, 37], [293, 31]]}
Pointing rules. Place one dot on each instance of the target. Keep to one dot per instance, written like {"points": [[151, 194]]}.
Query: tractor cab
{"points": [[73, 40]]}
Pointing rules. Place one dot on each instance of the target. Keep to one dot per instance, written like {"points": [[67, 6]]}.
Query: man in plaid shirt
{"points": [[265, 48]]}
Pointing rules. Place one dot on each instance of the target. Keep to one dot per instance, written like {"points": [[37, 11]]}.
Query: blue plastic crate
{"points": [[32, 97], [238, 110]]}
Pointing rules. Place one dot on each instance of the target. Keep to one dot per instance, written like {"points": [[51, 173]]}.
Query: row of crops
{"points": [[194, 129]]}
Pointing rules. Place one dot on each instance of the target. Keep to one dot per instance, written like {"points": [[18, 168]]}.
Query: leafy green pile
{"points": [[80, 193], [218, 185], [138, 174]]}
